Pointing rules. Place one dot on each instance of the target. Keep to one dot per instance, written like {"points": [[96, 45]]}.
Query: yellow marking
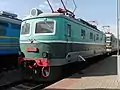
{"points": [[1, 37], [9, 48], [10, 43]]}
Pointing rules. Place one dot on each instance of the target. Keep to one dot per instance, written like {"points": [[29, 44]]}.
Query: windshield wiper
{"points": [[48, 25]]}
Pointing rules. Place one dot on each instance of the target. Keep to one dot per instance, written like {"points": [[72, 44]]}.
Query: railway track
{"points": [[32, 85], [24, 85]]}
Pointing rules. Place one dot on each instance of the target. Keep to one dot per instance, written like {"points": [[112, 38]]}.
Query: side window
{"points": [[15, 26], [4, 24], [91, 35], [111, 38], [3, 28], [101, 38], [68, 30], [97, 36], [104, 39], [94, 37], [82, 34], [3, 32]]}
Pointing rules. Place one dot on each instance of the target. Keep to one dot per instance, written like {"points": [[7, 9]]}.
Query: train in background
{"points": [[111, 43], [9, 40], [51, 41]]}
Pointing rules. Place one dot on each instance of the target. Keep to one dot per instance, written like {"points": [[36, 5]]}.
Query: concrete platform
{"points": [[100, 76]]}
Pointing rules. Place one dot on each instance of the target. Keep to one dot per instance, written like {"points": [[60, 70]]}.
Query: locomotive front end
{"points": [[36, 51], [35, 54], [111, 43]]}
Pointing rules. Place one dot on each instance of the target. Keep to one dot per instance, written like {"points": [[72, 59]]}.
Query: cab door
{"points": [[25, 35], [68, 38]]}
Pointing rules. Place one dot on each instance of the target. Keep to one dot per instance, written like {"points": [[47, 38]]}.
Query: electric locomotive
{"points": [[50, 41], [9, 40]]}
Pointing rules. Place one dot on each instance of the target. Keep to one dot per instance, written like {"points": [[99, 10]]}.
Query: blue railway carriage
{"points": [[111, 43], [9, 39]]}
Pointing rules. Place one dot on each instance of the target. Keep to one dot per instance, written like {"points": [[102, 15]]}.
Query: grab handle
{"points": [[81, 57]]}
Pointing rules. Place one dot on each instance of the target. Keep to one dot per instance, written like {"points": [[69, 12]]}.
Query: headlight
{"points": [[45, 54]]}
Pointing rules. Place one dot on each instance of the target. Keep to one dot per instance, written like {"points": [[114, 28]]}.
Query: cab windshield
{"points": [[44, 27], [25, 29]]}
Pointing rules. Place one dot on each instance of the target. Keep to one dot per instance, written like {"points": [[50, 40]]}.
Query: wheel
{"points": [[45, 71], [48, 74]]}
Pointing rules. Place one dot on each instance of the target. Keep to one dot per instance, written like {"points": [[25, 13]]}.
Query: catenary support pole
{"points": [[118, 57]]}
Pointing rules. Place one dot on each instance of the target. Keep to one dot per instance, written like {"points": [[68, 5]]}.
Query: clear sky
{"points": [[103, 11]]}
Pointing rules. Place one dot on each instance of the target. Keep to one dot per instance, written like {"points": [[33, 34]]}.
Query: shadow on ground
{"points": [[85, 89], [105, 67]]}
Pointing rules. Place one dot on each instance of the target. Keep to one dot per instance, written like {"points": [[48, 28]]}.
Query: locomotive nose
{"points": [[28, 64]]}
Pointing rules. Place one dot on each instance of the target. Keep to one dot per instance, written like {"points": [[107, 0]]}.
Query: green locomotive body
{"points": [[50, 41]]}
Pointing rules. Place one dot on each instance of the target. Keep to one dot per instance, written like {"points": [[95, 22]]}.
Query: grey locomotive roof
{"points": [[11, 20], [44, 15], [53, 15]]}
